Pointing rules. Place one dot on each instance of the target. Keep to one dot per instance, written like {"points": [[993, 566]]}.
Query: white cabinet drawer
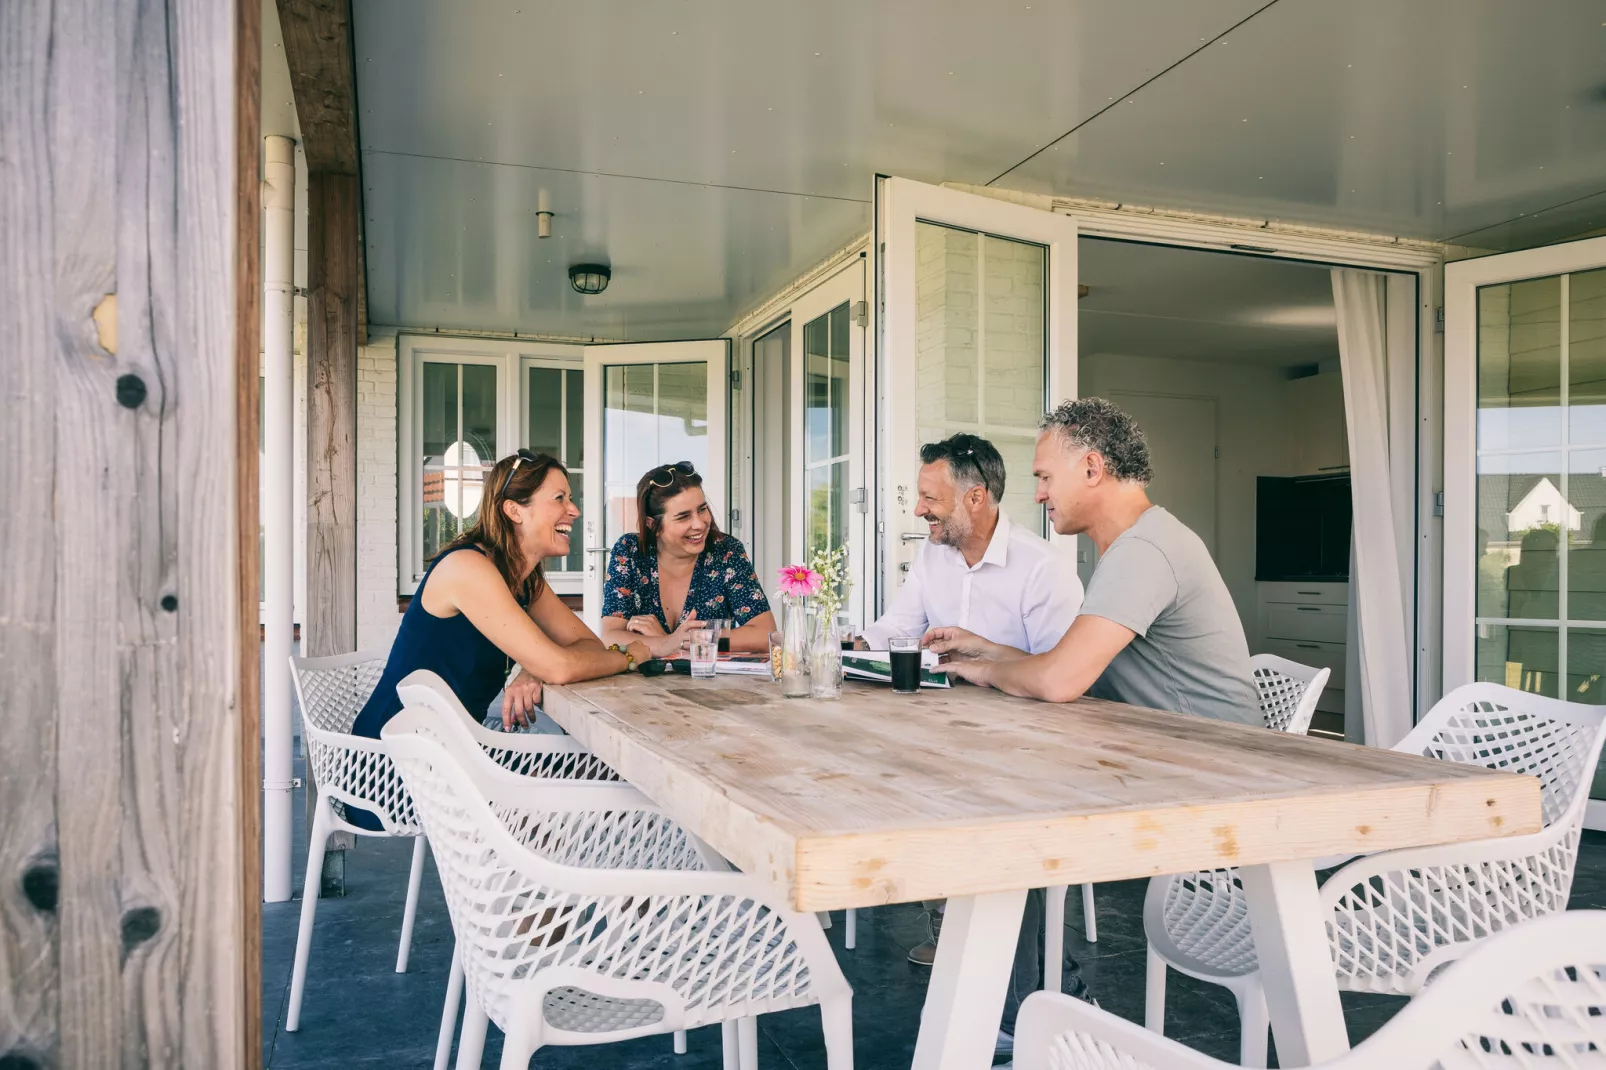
{"points": [[1316, 655], [1322, 594], [1315, 624]]}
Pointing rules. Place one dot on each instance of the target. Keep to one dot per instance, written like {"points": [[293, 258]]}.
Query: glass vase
{"points": [[795, 642], [825, 665]]}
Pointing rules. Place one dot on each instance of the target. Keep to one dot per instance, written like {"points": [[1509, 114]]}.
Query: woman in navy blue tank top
{"points": [[483, 606]]}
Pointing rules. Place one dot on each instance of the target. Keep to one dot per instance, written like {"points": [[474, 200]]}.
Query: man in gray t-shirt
{"points": [[1157, 626]]}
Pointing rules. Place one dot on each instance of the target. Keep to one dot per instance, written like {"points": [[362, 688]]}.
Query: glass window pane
{"points": [[839, 380], [439, 397], [1586, 666], [1586, 548], [545, 390], [946, 300], [817, 390], [1519, 516], [574, 449], [1519, 364], [1013, 314], [1521, 658], [826, 521], [652, 414], [479, 413], [1586, 358]]}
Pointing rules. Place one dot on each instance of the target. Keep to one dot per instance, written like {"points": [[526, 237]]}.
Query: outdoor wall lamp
{"points": [[589, 278]]}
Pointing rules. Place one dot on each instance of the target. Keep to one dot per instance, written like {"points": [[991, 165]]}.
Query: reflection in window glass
{"points": [[555, 425], [825, 421], [980, 361], [1541, 486], [458, 438], [652, 414]]}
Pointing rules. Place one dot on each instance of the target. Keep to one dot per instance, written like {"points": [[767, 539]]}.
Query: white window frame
{"points": [[1462, 281], [510, 357]]}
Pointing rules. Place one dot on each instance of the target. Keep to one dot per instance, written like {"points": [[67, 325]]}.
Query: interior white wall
{"points": [[1255, 432]]}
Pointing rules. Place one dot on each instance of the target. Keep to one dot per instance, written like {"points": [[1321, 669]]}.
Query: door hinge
{"points": [[1438, 503], [860, 498], [736, 379], [1438, 320], [736, 518], [861, 313]]}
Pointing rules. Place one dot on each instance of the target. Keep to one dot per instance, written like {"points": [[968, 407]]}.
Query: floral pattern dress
{"points": [[723, 584]]}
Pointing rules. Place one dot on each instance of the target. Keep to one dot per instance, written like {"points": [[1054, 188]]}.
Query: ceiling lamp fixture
{"points": [[589, 278]]}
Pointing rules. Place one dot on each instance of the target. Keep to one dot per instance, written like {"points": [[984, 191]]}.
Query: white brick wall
{"points": [[377, 615]]}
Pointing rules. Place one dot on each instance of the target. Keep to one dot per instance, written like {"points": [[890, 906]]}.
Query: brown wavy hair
{"points": [[494, 534], [651, 498]]}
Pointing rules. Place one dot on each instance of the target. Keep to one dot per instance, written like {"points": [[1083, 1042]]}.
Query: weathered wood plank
{"points": [[877, 798], [247, 421], [29, 869], [121, 203], [317, 46]]}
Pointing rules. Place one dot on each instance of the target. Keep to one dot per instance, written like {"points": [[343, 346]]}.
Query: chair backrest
{"points": [[537, 755], [351, 770], [519, 908], [1531, 997], [1518, 732], [1288, 690], [332, 691]]}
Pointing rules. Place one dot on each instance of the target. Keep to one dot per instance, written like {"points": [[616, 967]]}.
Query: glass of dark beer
{"points": [[905, 653]]}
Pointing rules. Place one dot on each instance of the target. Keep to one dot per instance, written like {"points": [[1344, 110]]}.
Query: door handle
{"points": [[596, 549], [911, 536], [1309, 609], [1307, 646]]}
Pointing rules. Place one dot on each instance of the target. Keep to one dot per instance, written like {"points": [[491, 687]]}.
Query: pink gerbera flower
{"points": [[799, 581]]}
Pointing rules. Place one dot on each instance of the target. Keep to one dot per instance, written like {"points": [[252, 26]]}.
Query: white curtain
{"points": [[1382, 485]]}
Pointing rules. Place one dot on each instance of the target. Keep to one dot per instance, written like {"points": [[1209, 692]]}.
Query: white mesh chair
{"points": [[1289, 692], [354, 771], [557, 949], [1533, 997], [553, 760], [1397, 916], [348, 771]]}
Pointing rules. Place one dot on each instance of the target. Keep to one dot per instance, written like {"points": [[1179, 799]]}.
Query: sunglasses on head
{"points": [[664, 474], [522, 456]]}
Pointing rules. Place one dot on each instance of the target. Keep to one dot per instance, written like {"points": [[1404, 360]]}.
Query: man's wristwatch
{"points": [[630, 659]]}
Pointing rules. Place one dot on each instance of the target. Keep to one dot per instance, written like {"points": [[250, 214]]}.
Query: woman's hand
{"points": [[668, 645], [957, 643], [645, 625], [521, 697], [641, 652]]}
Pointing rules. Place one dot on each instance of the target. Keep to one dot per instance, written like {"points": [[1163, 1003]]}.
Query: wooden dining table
{"points": [[975, 797]]}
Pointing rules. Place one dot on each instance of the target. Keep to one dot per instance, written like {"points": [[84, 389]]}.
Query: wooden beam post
{"points": [[331, 612], [123, 910]]}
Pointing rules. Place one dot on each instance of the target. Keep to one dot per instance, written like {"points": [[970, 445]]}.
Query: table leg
{"points": [[965, 1000], [1295, 962]]}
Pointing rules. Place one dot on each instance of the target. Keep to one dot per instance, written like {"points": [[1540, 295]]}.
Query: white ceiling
{"points": [[1187, 304], [712, 150]]}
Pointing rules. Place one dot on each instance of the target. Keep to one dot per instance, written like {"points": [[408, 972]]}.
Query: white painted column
{"points": [[278, 510]]}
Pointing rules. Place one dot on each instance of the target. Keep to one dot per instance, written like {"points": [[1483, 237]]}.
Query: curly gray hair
{"points": [[1097, 425]]}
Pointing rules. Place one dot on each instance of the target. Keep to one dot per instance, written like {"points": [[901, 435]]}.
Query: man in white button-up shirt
{"points": [[978, 570]]}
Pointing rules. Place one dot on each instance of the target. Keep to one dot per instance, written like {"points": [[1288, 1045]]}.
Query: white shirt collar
{"points": [[998, 546]]}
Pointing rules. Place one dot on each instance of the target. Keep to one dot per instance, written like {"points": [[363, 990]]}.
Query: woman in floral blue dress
{"points": [[678, 569]]}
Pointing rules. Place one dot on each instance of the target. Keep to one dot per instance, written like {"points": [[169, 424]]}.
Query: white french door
{"points": [[829, 496], [978, 335], [1525, 471], [645, 405]]}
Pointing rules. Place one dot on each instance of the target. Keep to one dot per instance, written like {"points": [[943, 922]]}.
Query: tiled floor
{"points": [[360, 1013]]}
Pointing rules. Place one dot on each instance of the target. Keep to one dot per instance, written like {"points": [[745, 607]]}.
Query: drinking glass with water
{"points": [[703, 650]]}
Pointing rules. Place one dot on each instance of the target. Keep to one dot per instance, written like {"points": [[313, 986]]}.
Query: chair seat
{"points": [[575, 1010]]}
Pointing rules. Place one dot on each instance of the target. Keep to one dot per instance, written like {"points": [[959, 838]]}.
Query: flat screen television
{"points": [[1302, 528]]}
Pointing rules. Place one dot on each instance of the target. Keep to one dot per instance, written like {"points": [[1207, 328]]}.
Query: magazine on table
{"points": [[876, 665]]}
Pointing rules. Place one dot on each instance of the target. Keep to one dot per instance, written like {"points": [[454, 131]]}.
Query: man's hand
{"points": [[520, 699], [957, 643], [859, 643], [977, 672]]}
